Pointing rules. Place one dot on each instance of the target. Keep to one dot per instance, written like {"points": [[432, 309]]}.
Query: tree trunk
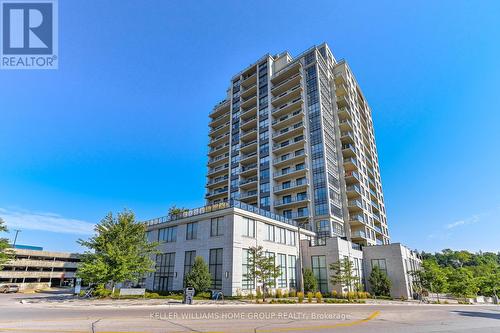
{"points": [[113, 288]]}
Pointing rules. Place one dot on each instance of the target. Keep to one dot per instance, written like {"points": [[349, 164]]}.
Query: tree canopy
{"points": [[262, 268], [342, 272], [199, 277], [118, 252], [5, 254]]}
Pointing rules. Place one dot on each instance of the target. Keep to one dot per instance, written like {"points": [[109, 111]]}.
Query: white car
{"points": [[9, 288]]}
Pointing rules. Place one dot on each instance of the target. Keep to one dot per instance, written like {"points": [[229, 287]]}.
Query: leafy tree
{"points": [[262, 268], [199, 278], [343, 273], [462, 283], [432, 277], [5, 253], [119, 251], [174, 211], [380, 283], [310, 281]]}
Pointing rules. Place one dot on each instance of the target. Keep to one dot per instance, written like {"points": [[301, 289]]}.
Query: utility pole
{"points": [[15, 237]]}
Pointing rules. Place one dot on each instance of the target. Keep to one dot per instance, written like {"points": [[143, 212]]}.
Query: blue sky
{"points": [[123, 122]]}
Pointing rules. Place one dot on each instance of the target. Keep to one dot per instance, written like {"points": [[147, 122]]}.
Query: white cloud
{"points": [[471, 220], [18, 219]]}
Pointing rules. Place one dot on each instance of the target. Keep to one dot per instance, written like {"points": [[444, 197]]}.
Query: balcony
{"points": [[349, 149], [249, 195], [376, 217], [350, 163], [248, 158], [248, 170], [218, 150], [246, 113], [288, 145], [219, 140], [353, 191], [210, 195], [252, 90], [293, 185], [358, 234], [250, 134], [378, 229], [288, 132], [219, 109], [219, 119], [289, 158], [345, 113], [375, 205], [356, 219], [217, 181], [346, 125], [286, 84], [218, 160], [347, 137], [249, 123], [352, 177], [288, 119], [249, 103], [215, 131], [248, 147], [291, 201], [287, 107], [281, 175], [248, 183], [218, 170], [287, 95], [355, 205], [342, 101], [287, 72], [249, 80]]}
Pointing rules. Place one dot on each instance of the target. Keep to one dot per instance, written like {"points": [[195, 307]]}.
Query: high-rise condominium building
{"points": [[295, 137]]}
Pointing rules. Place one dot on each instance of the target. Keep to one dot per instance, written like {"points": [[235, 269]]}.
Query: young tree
{"points": [[380, 283], [119, 251], [262, 268], [5, 253], [342, 272], [174, 211], [310, 281], [199, 278], [432, 277]]}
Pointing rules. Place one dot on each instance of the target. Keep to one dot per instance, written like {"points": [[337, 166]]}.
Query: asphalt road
{"points": [[242, 318]]}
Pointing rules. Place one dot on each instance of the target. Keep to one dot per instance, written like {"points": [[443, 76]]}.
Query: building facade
{"points": [[295, 136], [38, 268], [293, 167]]}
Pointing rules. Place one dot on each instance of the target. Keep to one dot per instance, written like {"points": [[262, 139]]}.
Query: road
{"points": [[243, 318]]}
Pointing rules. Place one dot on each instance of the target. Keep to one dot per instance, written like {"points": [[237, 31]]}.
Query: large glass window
{"points": [[217, 226], [215, 267], [164, 272], [380, 263], [248, 227], [292, 273], [320, 272], [168, 234], [269, 232], [191, 230], [246, 282], [188, 263], [280, 235], [282, 277], [290, 237]]}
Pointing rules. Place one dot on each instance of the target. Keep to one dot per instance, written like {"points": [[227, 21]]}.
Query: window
{"points": [[273, 256], [191, 230], [248, 227], [167, 234], [290, 237], [287, 199], [302, 196], [281, 235], [215, 267], [292, 273], [246, 283], [319, 271], [282, 277], [164, 272], [287, 213], [269, 232], [188, 263], [380, 263], [217, 226]]}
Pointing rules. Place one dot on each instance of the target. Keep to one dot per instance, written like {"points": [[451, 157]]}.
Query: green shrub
{"points": [[203, 295], [334, 293], [300, 296], [292, 293], [259, 293], [309, 297], [282, 301], [279, 293], [286, 294], [319, 297], [101, 292]]}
